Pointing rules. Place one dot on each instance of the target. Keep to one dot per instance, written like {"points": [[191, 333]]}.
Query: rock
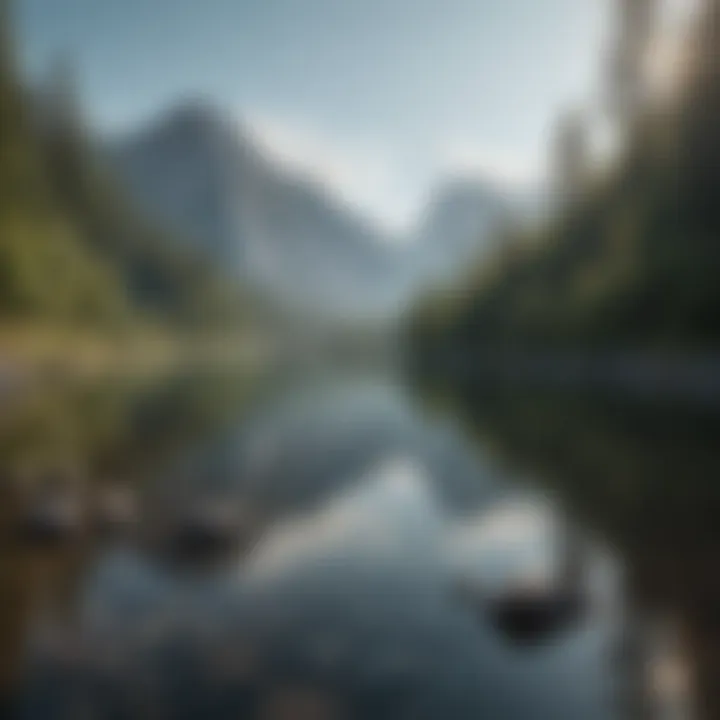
{"points": [[533, 616], [528, 612], [207, 529], [53, 517]]}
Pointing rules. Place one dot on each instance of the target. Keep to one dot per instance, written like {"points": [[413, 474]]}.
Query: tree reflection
{"points": [[645, 476]]}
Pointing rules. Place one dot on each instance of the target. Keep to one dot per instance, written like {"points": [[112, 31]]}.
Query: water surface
{"points": [[366, 513]]}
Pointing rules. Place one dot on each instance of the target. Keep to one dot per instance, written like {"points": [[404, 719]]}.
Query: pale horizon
{"points": [[377, 101]]}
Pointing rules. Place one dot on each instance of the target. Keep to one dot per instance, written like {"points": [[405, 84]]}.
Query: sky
{"points": [[377, 99]]}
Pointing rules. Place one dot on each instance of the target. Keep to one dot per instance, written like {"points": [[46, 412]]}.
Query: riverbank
{"points": [[33, 354], [693, 376]]}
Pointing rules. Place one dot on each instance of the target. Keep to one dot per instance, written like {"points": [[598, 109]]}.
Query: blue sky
{"points": [[376, 98]]}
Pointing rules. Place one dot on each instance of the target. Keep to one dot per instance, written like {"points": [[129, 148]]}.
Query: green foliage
{"points": [[43, 269], [634, 261], [72, 247], [158, 275]]}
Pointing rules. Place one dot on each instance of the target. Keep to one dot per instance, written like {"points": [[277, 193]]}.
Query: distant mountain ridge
{"points": [[201, 176], [461, 219]]}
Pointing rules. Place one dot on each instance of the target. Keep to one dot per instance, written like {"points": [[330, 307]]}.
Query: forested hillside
{"points": [[634, 261], [72, 247]]}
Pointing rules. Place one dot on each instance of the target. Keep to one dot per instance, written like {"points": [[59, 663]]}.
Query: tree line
{"points": [[633, 260], [73, 248]]}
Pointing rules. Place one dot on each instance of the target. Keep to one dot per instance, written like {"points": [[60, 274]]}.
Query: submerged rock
{"points": [[209, 529], [534, 615], [528, 612], [53, 517]]}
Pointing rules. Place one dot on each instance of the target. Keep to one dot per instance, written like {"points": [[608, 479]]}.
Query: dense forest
{"points": [[73, 249], [633, 260]]}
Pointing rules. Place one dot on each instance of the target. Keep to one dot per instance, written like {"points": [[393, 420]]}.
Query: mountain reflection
{"points": [[642, 474], [368, 513]]}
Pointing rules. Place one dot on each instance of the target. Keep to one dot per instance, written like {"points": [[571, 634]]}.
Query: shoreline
{"points": [[641, 375], [31, 355]]}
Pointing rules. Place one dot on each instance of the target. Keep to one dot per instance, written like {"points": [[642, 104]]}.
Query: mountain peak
{"points": [[195, 171], [193, 114], [193, 121]]}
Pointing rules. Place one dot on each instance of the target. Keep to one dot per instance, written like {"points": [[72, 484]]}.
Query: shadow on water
{"points": [[330, 549], [643, 474]]}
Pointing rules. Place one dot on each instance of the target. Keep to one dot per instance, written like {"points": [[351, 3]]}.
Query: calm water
{"points": [[365, 515]]}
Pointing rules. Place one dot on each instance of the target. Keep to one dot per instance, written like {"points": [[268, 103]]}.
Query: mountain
{"points": [[202, 176], [461, 222], [188, 173], [74, 251], [631, 265]]}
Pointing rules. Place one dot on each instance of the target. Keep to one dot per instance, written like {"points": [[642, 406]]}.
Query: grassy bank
{"points": [[36, 352]]}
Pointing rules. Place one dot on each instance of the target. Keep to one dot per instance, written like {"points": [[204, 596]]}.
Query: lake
{"points": [[337, 545]]}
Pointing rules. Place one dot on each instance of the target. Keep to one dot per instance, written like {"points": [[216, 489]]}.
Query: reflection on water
{"points": [[330, 551], [644, 474]]}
